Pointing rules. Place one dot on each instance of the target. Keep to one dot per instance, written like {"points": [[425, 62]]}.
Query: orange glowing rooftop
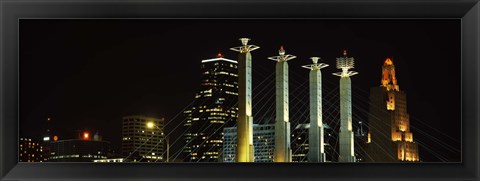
{"points": [[388, 61]]}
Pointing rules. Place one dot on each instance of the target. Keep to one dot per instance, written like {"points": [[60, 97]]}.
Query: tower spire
{"points": [[389, 79]]}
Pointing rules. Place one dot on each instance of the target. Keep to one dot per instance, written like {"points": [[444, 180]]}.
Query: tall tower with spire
{"points": [[283, 150], [346, 137], [316, 149], [245, 116], [389, 123]]}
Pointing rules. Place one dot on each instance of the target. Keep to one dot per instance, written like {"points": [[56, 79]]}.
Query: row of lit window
{"points": [[214, 117], [217, 122], [228, 85], [214, 109], [232, 93], [153, 157], [109, 160], [216, 141], [30, 155], [219, 113], [211, 153], [92, 156], [209, 83], [31, 144], [65, 156]]}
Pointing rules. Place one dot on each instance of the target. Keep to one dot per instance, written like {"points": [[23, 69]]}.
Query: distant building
{"points": [[47, 138], [30, 151], [143, 139], [109, 160], [85, 149], [263, 141], [390, 137], [361, 143], [300, 146], [214, 108], [331, 144]]}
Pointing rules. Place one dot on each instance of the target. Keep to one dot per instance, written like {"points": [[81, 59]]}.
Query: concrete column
{"points": [[245, 118], [316, 151], [346, 134], [282, 126]]}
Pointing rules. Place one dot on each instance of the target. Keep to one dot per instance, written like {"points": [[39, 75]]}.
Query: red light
{"points": [[55, 138], [86, 136]]}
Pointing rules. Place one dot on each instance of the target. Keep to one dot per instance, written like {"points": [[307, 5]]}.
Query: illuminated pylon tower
{"points": [[283, 151], [244, 152], [316, 152], [346, 134]]}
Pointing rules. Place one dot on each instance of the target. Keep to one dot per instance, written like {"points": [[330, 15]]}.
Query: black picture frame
{"points": [[466, 10]]}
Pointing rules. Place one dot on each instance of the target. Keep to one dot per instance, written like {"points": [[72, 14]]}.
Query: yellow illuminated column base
{"points": [[245, 148]]}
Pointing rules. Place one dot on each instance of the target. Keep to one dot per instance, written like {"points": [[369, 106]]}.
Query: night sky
{"points": [[87, 74]]}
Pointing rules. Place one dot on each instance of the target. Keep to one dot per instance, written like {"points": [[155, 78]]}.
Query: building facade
{"points": [[78, 150], [300, 143], [390, 137], [30, 151], [215, 107], [143, 139], [263, 141]]}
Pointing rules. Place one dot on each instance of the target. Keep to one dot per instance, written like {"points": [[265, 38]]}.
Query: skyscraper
{"points": [[263, 141], [214, 108], [390, 136], [143, 139]]}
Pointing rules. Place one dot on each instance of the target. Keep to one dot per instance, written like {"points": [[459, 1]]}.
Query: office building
{"points": [[215, 107], [301, 143], [30, 150], [263, 142], [143, 139], [84, 149]]}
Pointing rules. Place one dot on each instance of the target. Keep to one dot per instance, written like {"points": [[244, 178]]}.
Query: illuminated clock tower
{"points": [[390, 136]]}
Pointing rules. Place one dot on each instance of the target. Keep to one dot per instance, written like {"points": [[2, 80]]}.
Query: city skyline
{"points": [[96, 68]]}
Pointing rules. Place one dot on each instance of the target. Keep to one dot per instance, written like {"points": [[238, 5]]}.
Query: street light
{"points": [[150, 125]]}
